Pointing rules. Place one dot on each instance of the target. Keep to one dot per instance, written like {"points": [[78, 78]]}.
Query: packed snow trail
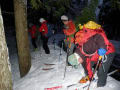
{"points": [[38, 79], [48, 78]]}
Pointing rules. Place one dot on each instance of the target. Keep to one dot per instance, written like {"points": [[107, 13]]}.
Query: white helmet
{"points": [[63, 17], [41, 20]]}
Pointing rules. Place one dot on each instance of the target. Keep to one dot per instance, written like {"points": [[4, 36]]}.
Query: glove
{"points": [[72, 60], [101, 51]]}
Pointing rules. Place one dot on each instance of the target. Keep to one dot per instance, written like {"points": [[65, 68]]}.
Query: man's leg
{"points": [[71, 49], [102, 76], [45, 46], [65, 46], [34, 43]]}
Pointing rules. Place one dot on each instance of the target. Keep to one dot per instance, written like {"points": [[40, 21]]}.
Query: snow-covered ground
{"points": [[39, 79]]}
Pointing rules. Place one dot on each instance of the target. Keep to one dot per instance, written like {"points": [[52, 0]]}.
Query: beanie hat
{"points": [[41, 20], [63, 17]]}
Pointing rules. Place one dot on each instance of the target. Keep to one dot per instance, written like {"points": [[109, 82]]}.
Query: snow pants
{"points": [[102, 72], [69, 50], [45, 44], [34, 43]]}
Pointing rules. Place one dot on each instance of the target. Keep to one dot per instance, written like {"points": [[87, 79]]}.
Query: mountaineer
{"points": [[69, 31], [92, 43]]}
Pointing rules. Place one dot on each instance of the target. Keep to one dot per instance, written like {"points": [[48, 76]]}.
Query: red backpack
{"points": [[84, 35]]}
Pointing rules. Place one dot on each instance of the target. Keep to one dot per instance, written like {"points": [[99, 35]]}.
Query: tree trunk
{"points": [[22, 36], [5, 68]]}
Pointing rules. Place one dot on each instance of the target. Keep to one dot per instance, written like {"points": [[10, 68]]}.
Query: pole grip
{"points": [[100, 57]]}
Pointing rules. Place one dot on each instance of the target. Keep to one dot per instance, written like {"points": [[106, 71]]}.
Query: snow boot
{"points": [[84, 79]]}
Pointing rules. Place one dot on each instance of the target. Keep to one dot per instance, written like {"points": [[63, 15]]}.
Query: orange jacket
{"points": [[70, 31]]}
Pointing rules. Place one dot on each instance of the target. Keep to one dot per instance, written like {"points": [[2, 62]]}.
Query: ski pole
{"points": [[117, 70], [65, 71], [54, 43], [54, 39], [61, 50], [98, 63], [40, 43], [66, 62]]}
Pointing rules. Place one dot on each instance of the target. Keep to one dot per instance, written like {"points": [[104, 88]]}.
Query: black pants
{"points": [[102, 75], [67, 49], [45, 45], [34, 42]]}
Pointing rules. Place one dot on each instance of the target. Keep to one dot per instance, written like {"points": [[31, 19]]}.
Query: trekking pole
{"points": [[54, 44], [61, 49], [40, 43], [117, 70], [66, 62], [54, 39], [98, 63]]}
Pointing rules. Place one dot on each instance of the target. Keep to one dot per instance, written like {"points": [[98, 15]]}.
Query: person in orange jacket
{"points": [[44, 31], [69, 31], [32, 29]]}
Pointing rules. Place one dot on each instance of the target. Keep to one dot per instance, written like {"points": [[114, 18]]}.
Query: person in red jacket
{"points": [[32, 29], [44, 31], [69, 31], [91, 44]]}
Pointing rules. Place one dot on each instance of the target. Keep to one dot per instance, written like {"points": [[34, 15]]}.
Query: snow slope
{"points": [[38, 79]]}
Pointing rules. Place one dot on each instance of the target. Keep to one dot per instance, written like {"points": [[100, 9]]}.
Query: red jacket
{"points": [[43, 28], [32, 31], [70, 31], [94, 39]]}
